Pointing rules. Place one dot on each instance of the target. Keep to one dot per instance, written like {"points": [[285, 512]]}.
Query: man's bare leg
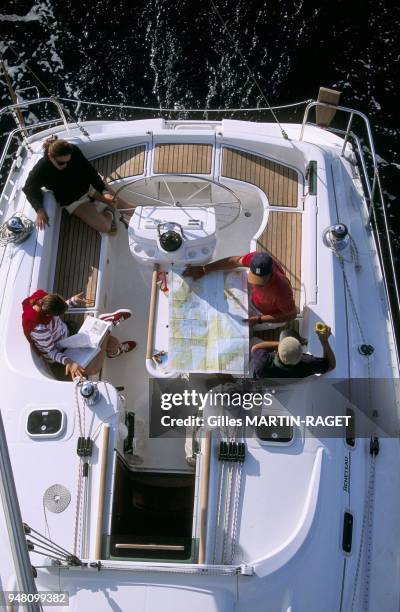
{"points": [[88, 213], [120, 202]]}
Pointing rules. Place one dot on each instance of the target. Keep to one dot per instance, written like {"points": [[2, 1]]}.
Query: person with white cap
{"points": [[285, 359], [271, 295]]}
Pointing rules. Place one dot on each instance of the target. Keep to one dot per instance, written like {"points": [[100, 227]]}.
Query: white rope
{"points": [[354, 256], [46, 523], [349, 292], [219, 509], [238, 485], [354, 259], [77, 406], [366, 530], [79, 496], [78, 517], [227, 516], [356, 262], [365, 533], [188, 110]]}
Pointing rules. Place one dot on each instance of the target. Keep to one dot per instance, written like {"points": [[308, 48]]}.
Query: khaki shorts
{"points": [[87, 197]]}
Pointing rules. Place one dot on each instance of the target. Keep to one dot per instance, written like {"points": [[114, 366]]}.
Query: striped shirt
{"points": [[46, 337]]}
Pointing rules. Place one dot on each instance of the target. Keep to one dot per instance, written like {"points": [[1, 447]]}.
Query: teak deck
{"points": [[121, 164], [79, 246], [282, 238], [183, 158], [278, 182], [78, 255]]}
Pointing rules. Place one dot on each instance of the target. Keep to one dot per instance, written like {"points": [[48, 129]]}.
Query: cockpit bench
{"points": [[78, 256]]}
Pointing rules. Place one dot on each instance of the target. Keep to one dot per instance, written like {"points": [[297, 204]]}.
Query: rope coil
{"points": [[56, 498]]}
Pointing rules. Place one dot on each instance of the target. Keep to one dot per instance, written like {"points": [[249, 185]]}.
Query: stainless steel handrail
{"points": [[16, 130], [371, 186], [347, 132], [24, 104], [11, 136]]}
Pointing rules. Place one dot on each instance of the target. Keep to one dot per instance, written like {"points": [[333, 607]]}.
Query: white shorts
{"points": [[87, 197]]}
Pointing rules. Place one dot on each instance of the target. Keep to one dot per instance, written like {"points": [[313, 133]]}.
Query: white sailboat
{"points": [[299, 522]]}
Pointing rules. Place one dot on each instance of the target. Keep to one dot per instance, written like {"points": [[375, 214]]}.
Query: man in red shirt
{"points": [[271, 295]]}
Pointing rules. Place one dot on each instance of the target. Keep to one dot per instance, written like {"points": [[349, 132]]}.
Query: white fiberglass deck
{"points": [[129, 287], [293, 497]]}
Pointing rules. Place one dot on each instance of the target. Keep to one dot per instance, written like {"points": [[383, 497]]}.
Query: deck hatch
{"points": [[275, 433], [152, 515], [47, 423]]}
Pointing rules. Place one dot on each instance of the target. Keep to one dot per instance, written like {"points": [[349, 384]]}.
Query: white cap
{"points": [[290, 351]]}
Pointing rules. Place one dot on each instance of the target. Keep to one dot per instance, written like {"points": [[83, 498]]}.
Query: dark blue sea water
{"points": [[176, 54]]}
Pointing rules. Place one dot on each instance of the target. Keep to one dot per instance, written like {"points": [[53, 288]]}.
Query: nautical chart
{"points": [[206, 328]]}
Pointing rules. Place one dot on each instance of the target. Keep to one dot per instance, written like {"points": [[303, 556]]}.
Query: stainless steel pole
{"points": [[16, 534]]}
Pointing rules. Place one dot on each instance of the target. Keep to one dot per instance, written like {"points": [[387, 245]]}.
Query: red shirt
{"points": [[276, 298]]}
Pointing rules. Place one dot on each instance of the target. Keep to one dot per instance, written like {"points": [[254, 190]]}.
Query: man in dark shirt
{"points": [[69, 179], [285, 359], [75, 183]]}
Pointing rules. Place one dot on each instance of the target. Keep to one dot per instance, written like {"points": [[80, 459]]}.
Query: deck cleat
{"points": [[84, 447], [241, 456], [233, 451], [223, 451]]}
